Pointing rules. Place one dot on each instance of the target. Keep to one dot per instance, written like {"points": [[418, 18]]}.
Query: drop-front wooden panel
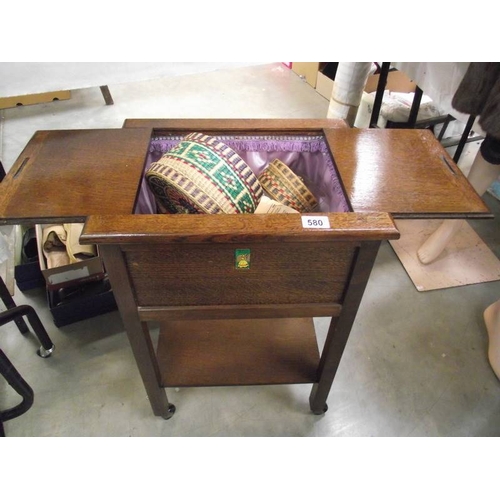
{"points": [[292, 273]]}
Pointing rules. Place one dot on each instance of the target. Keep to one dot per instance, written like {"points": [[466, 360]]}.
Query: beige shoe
{"points": [[54, 246], [77, 252]]}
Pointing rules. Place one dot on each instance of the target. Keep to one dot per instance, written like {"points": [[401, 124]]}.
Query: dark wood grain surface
{"points": [[190, 275], [404, 172], [184, 265], [70, 174], [190, 228], [238, 352], [230, 124], [67, 175], [176, 313]]}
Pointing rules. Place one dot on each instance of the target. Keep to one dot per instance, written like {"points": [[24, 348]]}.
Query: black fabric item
{"points": [[479, 94], [490, 149], [30, 249]]}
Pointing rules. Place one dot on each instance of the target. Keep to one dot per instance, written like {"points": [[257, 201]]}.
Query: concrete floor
{"points": [[415, 364]]}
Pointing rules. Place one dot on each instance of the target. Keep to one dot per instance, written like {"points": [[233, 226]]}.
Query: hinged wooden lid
{"points": [[66, 175]]}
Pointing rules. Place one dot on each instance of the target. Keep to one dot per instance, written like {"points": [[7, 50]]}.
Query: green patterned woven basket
{"points": [[284, 186], [203, 175]]}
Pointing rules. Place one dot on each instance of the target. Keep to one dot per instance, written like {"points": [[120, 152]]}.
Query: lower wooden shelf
{"points": [[238, 352]]}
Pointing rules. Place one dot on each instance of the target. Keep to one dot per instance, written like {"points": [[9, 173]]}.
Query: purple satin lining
{"points": [[307, 156]]}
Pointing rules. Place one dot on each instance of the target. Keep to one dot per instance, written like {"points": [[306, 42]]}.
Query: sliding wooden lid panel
{"points": [[67, 175], [404, 172], [70, 174]]}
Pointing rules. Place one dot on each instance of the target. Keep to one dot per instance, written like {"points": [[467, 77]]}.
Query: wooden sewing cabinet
{"points": [[221, 325]]}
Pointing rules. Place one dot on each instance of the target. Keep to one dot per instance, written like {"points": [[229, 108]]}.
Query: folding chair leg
{"points": [[47, 346], [10, 304]]}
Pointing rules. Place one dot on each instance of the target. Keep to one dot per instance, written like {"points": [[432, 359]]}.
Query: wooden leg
{"points": [[107, 95], [340, 327], [137, 331]]}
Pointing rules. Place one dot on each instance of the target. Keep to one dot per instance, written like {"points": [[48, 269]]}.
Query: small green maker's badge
{"points": [[242, 258]]}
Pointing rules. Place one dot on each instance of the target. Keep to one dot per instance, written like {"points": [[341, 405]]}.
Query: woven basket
{"points": [[203, 175], [284, 186]]}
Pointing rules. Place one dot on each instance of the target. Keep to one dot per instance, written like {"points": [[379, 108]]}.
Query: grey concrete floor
{"points": [[415, 364]]}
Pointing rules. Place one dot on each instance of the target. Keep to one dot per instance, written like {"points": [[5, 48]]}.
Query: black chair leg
{"points": [[47, 346], [20, 385], [10, 304], [463, 139]]}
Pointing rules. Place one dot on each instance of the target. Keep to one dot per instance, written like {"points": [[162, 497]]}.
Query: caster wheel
{"points": [[325, 409], [170, 412], [44, 353]]}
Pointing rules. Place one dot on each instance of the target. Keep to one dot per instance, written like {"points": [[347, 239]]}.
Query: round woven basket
{"points": [[284, 186], [202, 175]]}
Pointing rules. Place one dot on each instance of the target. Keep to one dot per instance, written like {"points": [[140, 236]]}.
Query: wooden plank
{"points": [[238, 352], [108, 99], [404, 172], [70, 174], [207, 125], [29, 99], [221, 228], [176, 313]]}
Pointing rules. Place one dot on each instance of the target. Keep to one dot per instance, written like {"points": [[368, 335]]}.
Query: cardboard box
{"points": [[397, 81], [307, 70], [91, 269], [324, 85], [25, 100]]}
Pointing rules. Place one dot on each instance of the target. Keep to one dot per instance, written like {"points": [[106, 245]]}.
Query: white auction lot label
{"points": [[315, 222]]}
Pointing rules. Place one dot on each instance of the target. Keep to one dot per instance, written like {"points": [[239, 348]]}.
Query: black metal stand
{"points": [[8, 371], [463, 140], [379, 95], [10, 304], [412, 120], [20, 385], [17, 312]]}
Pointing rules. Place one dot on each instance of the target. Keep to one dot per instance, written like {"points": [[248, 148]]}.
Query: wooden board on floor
{"points": [[467, 260], [25, 100]]}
